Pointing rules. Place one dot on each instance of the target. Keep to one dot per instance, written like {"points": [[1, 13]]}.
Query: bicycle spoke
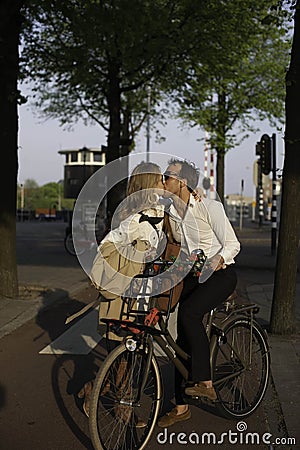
{"points": [[241, 369], [116, 408]]}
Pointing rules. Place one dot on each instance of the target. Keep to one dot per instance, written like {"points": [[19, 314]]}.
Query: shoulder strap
{"points": [[167, 228], [152, 220]]}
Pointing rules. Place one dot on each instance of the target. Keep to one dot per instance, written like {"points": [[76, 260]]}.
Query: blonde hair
{"points": [[144, 178], [145, 175]]}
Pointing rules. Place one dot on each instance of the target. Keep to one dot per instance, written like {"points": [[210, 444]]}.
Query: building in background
{"points": [[250, 210], [80, 164], [233, 204]]}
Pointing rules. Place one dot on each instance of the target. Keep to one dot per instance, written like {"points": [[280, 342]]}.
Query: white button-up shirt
{"points": [[205, 226]]}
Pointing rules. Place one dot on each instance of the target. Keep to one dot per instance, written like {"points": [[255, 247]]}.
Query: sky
{"points": [[40, 140]]}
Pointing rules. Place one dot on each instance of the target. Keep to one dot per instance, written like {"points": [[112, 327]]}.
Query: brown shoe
{"points": [[201, 390], [85, 393], [140, 423], [171, 417]]}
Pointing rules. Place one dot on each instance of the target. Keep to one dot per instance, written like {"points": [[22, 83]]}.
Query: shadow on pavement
{"points": [[70, 371]]}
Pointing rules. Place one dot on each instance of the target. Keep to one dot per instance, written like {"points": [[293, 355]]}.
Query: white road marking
{"points": [[79, 339], [82, 337]]}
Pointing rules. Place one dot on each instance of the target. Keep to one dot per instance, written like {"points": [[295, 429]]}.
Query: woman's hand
{"points": [[151, 254]]}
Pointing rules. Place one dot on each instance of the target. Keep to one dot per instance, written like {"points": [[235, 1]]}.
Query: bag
{"points": [[171, 253], [114, 267]]}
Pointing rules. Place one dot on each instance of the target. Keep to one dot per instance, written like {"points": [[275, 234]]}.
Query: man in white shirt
{"points": [[198, 224]]}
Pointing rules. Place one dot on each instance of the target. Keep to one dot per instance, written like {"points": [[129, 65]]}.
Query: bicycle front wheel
{"points": [[121, 416], [240, 366]]}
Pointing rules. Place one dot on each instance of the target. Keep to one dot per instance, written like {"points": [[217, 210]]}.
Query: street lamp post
{"points": [[22, 201], [84, 152], [59, 194], [148, 90]]}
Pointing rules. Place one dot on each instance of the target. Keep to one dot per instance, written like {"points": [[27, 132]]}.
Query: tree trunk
{"points": [[118, 171], [283, 307], [10, 20], [220, 173]]}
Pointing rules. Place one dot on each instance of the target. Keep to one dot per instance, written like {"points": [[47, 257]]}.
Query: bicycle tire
{"points": [[240, 379], [69, 246], [114, 415]]}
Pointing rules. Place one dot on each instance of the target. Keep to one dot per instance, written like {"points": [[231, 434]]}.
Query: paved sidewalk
{"points": [[285, 361], [15, 313], [255, 267]]}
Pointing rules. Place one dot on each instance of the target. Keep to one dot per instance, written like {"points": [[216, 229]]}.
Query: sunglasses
{"points": [[169, 174]]}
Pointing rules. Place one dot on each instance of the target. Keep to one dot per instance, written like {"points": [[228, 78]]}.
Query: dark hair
{"points": [[188, 171]]}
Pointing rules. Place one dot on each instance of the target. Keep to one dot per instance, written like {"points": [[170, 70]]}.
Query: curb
{"points": [[284, 362]]}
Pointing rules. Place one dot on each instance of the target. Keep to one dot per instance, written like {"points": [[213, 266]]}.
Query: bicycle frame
{"points": [[240, 383], [217, 320], [134, 392], [174, 352], [178, 357]]}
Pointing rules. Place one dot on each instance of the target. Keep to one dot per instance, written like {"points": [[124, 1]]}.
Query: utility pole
{"points": [[22, 201], [212, 193], [263, 149], [255, 182], [241, 204], [206, 179], [148, 90], [274, 197], [260, 197]]}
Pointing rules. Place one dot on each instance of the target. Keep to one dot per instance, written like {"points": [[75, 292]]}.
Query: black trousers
{"points": [[196, 300]]}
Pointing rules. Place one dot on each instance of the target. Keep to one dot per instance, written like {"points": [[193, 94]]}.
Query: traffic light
{"points": [[265, 154], [257, 149]]}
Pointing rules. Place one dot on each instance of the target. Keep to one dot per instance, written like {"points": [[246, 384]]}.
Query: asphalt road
{"points": [[39, 407]]}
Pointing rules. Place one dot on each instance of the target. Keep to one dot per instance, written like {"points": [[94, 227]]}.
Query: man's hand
{"points": [[220, 264], [217, 263]]}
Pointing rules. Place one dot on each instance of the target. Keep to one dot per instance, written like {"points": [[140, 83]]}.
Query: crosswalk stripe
{"points": [[82, 337], [79, 339]]}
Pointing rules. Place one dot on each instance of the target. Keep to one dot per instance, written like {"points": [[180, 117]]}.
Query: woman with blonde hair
{"points": [[139, 218]]}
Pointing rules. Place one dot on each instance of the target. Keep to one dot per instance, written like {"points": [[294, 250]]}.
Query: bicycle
{"points": [[84, 243], [128, 388]]}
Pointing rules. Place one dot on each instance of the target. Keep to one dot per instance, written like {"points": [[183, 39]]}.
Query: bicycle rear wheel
{"points": [[240, 367], [116, 413]]}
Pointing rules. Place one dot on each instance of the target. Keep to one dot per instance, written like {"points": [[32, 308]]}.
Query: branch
{"points": [[89, 113]]}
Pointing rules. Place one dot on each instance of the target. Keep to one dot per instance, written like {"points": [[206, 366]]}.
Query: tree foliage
{"points": [[50, 195], [93, 59], [241, 78], [76, 49]]}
